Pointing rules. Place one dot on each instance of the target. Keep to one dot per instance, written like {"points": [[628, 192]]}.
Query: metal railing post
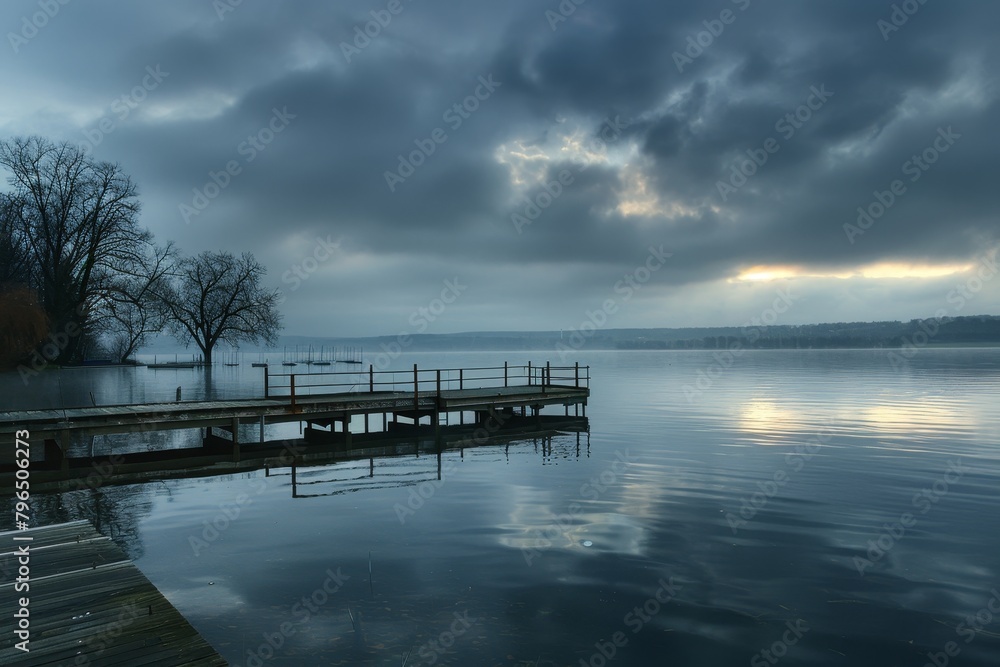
{"points": [[439, 384], [292, 385], [266, 384], [416, 395], [505, 374], [371, 378], [461, 381], [576, 374], [529, 374]]}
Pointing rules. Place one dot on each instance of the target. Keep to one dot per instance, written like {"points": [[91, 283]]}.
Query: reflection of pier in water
{"points": [[398, 470]]}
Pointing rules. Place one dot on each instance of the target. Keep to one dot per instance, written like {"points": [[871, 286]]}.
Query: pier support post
{"points": [[64, 442], [236, 439], [55, 452], [437, 407]]}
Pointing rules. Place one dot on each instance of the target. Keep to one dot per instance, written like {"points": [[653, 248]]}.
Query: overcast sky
{"points": [[302, 119]]}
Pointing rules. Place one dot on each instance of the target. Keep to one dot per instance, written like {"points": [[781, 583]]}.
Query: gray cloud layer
{"points": [[323, 175]]}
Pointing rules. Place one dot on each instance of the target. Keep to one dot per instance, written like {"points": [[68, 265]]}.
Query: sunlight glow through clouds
{"points": [[880, 270], [529, 161]]}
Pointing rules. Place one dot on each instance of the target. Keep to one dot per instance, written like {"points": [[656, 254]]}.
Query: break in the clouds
{"points": [[540, 153]]}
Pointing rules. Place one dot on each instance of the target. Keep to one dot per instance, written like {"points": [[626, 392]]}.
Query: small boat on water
{"points": [[322, 361]]}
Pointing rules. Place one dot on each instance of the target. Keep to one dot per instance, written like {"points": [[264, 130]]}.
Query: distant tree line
{"points": [[79, 277], [967, 330]]}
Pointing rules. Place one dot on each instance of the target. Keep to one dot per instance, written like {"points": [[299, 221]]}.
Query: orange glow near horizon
{"points": [[881, 270]]}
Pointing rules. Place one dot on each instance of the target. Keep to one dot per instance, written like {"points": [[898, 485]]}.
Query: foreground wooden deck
{"points": [[90, 605]]}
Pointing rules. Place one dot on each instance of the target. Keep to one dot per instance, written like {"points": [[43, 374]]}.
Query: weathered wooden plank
{"points": [[109, 614]]}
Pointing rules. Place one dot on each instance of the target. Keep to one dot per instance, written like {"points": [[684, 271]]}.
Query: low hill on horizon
{"points": [[974, 330]]}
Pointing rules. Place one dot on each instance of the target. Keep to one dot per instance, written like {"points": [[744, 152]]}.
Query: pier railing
{"points": [[424, 379]]}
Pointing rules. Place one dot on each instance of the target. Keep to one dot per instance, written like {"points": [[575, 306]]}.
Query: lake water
{"points": [[794, 507]]}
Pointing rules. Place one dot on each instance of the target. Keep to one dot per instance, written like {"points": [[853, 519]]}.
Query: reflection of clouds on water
{"points": [[539, 519]]}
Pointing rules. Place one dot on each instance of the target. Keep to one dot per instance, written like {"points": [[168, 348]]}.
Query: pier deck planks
{"points": [[197, 414], [83, 590]]}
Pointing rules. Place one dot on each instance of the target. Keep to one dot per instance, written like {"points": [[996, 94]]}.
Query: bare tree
{"points": [[133, 305], [78, 219], [15, 266], [218, 296]]}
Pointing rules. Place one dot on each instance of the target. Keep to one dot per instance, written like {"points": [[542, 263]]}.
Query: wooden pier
{"points": [[90, 605], [323, 402]]}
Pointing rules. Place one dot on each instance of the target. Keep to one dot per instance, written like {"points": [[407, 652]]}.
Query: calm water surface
{"points": [[801, 507]]}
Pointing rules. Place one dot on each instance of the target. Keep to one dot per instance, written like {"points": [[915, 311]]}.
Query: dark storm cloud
{"points": [[352, 112]]}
